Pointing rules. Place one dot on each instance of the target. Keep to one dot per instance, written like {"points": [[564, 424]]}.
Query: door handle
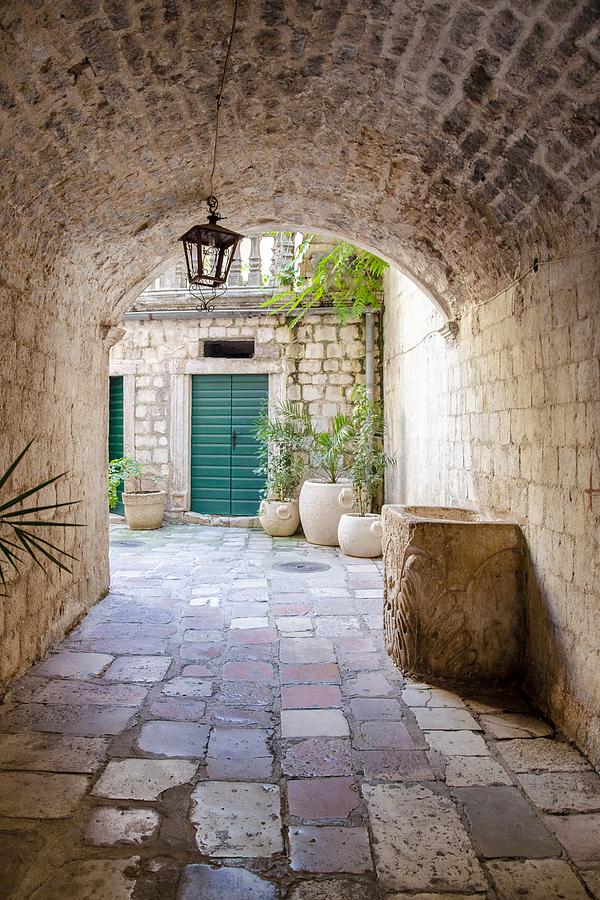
{"points": [[233, 439]]}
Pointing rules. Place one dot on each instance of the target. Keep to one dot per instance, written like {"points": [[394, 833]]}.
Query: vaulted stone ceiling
{"points": [[446, 135]]}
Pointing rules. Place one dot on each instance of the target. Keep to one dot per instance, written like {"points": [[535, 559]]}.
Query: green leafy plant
{"points": [[282, 439], [17, 541], [328, 450], [369, 461], [348, 277], [119, 470]]}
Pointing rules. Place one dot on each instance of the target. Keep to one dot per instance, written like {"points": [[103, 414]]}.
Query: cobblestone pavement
{"points": [[219, 728]]}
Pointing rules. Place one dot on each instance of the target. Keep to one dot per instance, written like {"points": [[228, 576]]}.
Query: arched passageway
{"points": [[459, 140]]}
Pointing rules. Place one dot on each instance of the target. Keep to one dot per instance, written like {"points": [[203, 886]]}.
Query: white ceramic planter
{"points": [[321, 507], [279, 518], [360, 535], [144, 511]]}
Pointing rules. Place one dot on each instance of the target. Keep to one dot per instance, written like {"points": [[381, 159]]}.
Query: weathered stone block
{"points": [[453, 604]]}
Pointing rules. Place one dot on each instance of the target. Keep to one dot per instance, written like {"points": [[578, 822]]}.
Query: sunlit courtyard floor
{"points": [[218, 727]]}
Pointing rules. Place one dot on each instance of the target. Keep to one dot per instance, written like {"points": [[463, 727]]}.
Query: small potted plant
{"points": [[326, 497], [144, 510], [359, 532], [283, 461]]}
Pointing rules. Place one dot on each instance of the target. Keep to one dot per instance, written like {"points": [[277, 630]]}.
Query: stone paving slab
{"points": [[200, 882], [445, 719], [396, 765], [69, 664], [313, 723], [322, 798], [466, 771], [457, 743], [187, 687], [33, 795], [82, 692], [418, 826], [109, 826], [306, 650], [91, 879], [310, 673], [147, 669], [579, 835], [428, 896], [375, 709], [387, 735], [177, 709], [513, 725], [18, 852], [563, 792], [142, 779], [172, 720], [237, 819], [330, 849], [319, 756], [548, 879], [52, 752], [327, 889], [503, 824], [591, 878], [89, 721], [311, 696], [542, 755], [174, 739], [248, 671], [368, 684]]}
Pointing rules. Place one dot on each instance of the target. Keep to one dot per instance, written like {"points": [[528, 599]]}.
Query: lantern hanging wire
{"points": [[210, 248]]}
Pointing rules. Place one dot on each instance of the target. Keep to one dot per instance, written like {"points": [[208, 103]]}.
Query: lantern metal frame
{"points": [[209, 250]]}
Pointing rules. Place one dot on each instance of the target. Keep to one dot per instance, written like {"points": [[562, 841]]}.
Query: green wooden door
{"points": [[115, 428], [224, 452]]}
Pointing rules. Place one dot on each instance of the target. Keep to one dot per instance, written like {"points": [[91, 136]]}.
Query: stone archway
{"points": [[457, 140]]}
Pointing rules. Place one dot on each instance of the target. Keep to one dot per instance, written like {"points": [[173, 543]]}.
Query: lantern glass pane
{"points": [[192, 253], [210, 262], [227, 259]]}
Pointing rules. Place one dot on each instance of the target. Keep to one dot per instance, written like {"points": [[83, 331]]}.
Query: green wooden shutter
{"points": [[115, 428], [211, 444], [222, 478], [248, 392]]}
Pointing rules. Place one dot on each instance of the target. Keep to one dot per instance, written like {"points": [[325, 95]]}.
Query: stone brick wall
{"points": [[506, 418], [316, 363], [53, 389]]}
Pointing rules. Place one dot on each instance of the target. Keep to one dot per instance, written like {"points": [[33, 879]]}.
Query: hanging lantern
{"points": [[209, 250]]}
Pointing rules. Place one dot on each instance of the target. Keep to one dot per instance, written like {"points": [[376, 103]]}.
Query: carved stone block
{"points": [[453, 593]]}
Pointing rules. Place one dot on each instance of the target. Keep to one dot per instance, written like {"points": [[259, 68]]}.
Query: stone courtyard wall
{"points": [[315, 362], [506, 418]]}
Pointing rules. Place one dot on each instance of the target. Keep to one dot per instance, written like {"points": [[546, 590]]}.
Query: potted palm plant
{"points": [[282, 438], [324, 498], [359, 532], [144, 510]]}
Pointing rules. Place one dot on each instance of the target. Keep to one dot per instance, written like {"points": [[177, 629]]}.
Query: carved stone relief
{"points": [[453, 602]]}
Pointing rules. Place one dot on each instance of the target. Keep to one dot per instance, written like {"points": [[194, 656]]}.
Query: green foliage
{"points": [[120, 470], [328, 450], [365, 448], [348, 277], [16, 537], [282, 439]]}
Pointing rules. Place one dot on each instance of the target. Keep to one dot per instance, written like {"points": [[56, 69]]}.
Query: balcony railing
{"points": [[253, 271]]}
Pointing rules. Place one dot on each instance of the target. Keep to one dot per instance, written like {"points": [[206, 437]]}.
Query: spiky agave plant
{"points": [[17, 541]]}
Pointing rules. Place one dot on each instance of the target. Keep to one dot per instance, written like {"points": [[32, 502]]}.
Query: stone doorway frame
{"points": [[180, 413]]}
